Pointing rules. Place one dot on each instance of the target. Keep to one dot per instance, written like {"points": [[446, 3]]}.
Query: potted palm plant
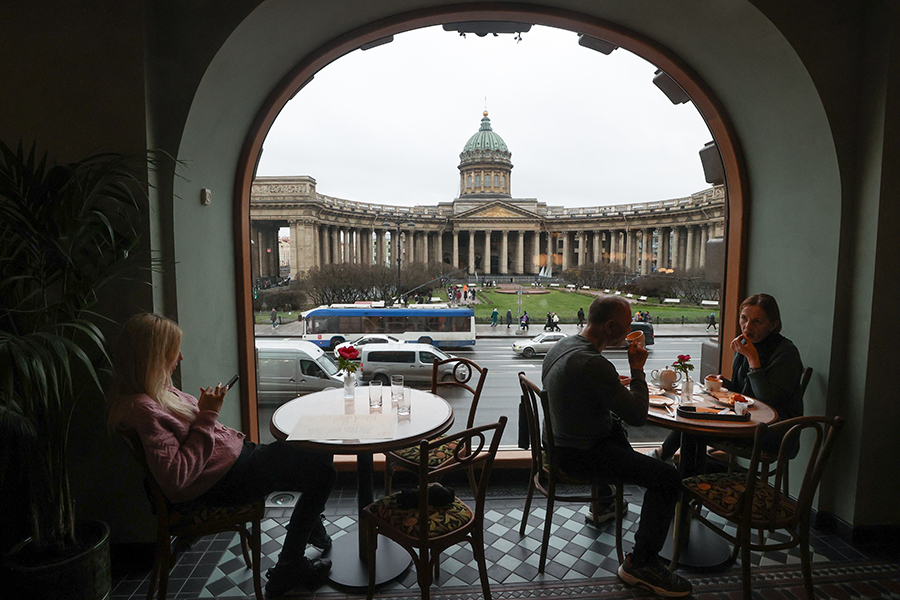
{"points": [[65, 232]]}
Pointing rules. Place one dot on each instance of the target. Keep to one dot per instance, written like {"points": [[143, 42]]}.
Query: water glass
{"points": [[374, 394], [403, 403], [396, 389]]}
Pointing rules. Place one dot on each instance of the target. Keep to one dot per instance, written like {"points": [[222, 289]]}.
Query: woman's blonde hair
{"points": [[148, 345]]}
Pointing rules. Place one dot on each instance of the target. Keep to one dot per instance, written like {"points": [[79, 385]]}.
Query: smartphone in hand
{"points": [[233, 381]]}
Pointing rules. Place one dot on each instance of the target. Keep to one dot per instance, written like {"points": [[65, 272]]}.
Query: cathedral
{"points": [[485, 230]]}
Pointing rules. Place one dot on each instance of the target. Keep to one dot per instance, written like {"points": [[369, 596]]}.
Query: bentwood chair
{"points": [[736, 450], [178, 526], [425, 530], [461, 377], [751, 502], [545, 474]]}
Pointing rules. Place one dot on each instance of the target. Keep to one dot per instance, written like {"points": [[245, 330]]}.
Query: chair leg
{"points": [[528, 498], [257, 558], [680, 516], [245, 545], [548, 522], [372, 535], [388, 474], [164, 577], [423, 574], [806, 561], [478, 551], [744, 539], [620, 505]]}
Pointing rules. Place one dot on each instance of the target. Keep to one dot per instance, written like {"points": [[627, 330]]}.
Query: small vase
{"points": [[349, 386], [687, 390]]}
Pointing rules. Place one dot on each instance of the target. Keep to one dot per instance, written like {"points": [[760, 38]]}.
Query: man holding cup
{"points": [[587, 404]]}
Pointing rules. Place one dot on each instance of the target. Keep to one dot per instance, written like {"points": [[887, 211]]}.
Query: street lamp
{"points": [[391, 222]]}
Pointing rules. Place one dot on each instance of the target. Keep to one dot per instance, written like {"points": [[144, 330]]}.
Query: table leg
{"points": [[700, 547], [349, 551]]}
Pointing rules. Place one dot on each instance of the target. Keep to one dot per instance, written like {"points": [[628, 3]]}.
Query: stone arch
{"points": [[763, 97]]}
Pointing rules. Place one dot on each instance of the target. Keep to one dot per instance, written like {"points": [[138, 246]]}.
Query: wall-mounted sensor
{"points": [[205, 196]]}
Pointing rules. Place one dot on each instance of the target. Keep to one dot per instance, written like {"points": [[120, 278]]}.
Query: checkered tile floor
{"points": [[214, 568]]}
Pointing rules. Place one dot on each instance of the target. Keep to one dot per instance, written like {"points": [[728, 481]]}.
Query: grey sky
{"points": [[387, 125]]}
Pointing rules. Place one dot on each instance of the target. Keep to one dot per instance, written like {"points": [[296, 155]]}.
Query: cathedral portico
{"points": [[484, 230]]}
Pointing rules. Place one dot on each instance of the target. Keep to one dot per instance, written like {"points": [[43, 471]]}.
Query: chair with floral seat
{"points": [[545, 474], [751, 502], [460, 377], [178, 525], [451, 522]]}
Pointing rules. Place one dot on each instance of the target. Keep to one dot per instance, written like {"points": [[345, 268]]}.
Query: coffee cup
{"points": [[635, 337], [713, 383]]}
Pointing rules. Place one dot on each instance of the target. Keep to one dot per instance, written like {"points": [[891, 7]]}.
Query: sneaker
{"points": [[308, 573], [655, 577], [606, 513], [318, 537], [658, 456]]}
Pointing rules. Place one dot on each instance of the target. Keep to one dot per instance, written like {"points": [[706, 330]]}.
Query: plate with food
{"points": [[660, 400], [728, 398]]}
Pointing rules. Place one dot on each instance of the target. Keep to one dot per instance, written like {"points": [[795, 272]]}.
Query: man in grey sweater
{"points": [[587, 399]]}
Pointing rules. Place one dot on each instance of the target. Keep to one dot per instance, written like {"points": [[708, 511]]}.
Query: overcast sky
{"points": [[585, 129]]}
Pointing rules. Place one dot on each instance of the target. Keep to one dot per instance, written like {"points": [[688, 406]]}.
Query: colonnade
{"points": [[488, 251]]}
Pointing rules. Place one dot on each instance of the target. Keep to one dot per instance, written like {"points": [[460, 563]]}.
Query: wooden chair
{"points": [[545, 474], [751, 502], [446, 525], [460, 377], [177, 527], [736, 450]]}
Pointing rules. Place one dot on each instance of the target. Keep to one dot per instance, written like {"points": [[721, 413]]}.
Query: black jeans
{"points": [[265, 468], [613, 460]]}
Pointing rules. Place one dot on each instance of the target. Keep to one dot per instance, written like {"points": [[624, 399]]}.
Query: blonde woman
{"points": [[196, 459]]}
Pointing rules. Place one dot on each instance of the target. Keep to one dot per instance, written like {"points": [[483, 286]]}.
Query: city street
{"points": [[501, 391]]}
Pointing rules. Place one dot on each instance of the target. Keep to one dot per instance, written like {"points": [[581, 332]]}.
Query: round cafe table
{"points": [[700, 547], [430, 415]]}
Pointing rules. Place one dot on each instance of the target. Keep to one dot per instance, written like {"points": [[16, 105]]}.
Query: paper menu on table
{"points": [[375, 426]]}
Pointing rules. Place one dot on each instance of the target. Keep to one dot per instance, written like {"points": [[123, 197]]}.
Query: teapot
{"points": [[666, 378]]}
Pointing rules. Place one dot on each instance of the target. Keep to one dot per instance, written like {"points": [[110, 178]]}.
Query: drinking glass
{"points": [[403, 403], [396, 389], [374, 394]]}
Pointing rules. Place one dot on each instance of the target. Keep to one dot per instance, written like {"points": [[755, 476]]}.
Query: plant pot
{"points": [[83, 575]]}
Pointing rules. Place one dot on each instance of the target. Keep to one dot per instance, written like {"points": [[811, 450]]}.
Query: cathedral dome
{"points": [[485, 139], [484, 164]]}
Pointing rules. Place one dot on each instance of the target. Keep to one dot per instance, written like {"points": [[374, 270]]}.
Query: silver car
{"points": [[540, 344], [414, 361], [371, 338]]}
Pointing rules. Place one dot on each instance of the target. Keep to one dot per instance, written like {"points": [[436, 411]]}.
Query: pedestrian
{"points": [[549, 325], [274, 318], [588, 403], [711, 321], [494, 316], [508, 317], [556, 322], [580, 318], [525, 321]]}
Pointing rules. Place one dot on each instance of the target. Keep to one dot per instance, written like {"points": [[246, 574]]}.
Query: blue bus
{"points": [[436, 324]]}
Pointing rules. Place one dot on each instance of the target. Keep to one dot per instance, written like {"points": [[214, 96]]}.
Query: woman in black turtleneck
{"points": [[766, 364]]}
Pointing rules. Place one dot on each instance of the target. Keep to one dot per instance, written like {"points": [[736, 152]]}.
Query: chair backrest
{"points": [[823, 432], [463, 371], [159, 504], [475, 448], [804, 380], [530, 394]]}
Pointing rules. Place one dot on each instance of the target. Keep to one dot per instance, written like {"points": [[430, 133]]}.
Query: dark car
{"points": [[647, 328]]}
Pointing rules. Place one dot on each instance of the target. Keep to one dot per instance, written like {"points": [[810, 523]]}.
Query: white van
{"points": [[413, 361], [287, 368]]}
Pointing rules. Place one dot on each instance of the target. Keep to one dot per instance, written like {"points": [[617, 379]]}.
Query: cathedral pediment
{"points": [[496, 210]]}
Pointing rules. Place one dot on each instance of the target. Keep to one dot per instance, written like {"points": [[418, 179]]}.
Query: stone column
{"points": [[677, 256], [647, 255], [455, 249], [439, 250], [536, 252], [486, 257], [424, 258], [379, 247], [596, 240], [689, 256], [565, 250], [520, 253], [704, 237], [504, 251], [471, 251]]}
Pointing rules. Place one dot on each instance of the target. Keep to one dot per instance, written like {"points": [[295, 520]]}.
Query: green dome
{"points": [[485, 139]]}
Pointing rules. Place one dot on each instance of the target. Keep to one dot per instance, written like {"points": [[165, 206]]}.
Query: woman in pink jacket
{"points": [[196, 459]]}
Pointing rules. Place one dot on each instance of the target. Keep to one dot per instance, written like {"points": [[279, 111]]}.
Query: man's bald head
{"points": [[604, 308]]}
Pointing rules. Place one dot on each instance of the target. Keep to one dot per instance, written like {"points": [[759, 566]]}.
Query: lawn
{"points": [[566, 305]]}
